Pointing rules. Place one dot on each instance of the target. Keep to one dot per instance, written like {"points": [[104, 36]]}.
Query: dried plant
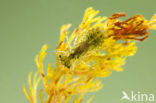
{"points": [[97, 47]]}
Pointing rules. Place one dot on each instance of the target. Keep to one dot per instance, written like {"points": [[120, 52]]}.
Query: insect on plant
{"points": [[92, 39], [92, 51], [129, 29]]}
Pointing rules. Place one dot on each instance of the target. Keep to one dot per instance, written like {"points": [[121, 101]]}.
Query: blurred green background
{"points": [[25, 25]]}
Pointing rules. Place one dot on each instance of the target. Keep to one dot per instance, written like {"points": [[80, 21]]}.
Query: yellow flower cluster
{"points": [[97, 47]]}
